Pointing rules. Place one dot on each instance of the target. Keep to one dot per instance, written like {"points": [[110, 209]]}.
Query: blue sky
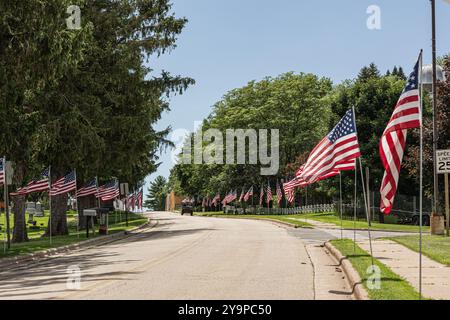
{"points": [[227, 43]]}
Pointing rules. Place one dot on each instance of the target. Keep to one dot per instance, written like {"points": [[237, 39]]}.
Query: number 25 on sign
{"points": [[443, 167]]}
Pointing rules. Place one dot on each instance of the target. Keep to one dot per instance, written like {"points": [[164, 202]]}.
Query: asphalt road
{"points": [[181, 258]]}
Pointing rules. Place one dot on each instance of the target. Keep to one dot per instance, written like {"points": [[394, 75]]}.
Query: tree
{"points": [[156, 196], [290, 103], [100, 118], [36, 50]]}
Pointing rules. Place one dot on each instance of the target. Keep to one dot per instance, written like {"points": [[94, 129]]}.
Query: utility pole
{"points": [[435, 114]]}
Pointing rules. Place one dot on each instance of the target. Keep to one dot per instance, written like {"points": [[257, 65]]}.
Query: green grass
{"points": [[434, 247], [393, 287], [302, 219], [288, 219], [348, 224], [37, 242]]}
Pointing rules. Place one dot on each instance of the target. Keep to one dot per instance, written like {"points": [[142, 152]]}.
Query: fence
{"points": [[316, 208]]}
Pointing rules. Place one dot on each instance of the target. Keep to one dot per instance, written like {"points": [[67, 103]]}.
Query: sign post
{"points": [[443, 167]]}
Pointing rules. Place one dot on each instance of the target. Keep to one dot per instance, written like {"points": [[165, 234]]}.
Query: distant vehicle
{"points": [[187, 207]]}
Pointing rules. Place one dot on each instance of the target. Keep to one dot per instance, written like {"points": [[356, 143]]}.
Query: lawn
{"points": [[434, 247], [326, 218], [349, 224], [37, 243], [393, 287], [288, 219]]}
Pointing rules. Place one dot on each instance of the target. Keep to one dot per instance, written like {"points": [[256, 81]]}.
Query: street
{"points": [[186, 257]]}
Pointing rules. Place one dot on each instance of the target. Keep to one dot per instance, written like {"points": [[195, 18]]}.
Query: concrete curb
{"points": [[353, 277], [36, 256]]}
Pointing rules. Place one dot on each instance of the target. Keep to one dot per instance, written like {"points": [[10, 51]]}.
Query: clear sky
{"points": [[227, 43]]}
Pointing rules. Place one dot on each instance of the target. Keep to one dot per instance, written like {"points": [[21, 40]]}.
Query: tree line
{"points": [[87, 98]]}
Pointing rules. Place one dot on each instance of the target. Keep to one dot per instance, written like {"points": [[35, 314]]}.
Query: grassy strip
{"points": [[393, 287], [348, 224], [286, 219], [333, 219], [38, 243], [436, 248]]}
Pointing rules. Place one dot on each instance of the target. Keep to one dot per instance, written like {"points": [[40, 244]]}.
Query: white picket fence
{"points": [[316, 208]]}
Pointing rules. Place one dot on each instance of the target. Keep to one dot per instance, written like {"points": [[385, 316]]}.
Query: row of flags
{"points": [[68, 183], [339, 149]]}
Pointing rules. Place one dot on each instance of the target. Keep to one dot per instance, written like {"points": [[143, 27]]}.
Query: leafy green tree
{"points": [[290, 103], [156, 196], [36, 51]]}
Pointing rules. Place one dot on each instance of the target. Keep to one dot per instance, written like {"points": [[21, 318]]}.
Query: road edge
{"points": [[36, 256], [352, 275]]}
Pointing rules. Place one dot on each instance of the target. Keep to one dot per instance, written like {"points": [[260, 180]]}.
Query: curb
{"points": [[353, 277], [36, 256]]}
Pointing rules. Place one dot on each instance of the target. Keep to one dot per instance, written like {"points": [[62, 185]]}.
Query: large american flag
{"points": [[279, 193], [64, 185], [2, 171], [38, 185], [108, 191], [407, 115], [333, 153], [89, 189], [248, 194]]}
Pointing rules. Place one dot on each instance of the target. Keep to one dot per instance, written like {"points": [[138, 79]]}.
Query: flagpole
{"points": [[50, 201], [76, 202], [366, 204], [355, 208], [366, 207], [5, 189], [421, 177], [340, 204]]}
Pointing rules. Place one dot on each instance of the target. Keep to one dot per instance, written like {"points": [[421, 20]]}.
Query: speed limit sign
{"points": [[443, 161]]}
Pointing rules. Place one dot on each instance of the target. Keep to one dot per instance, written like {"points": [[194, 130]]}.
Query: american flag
{"points": [[130, 202], [407, 115], [89, 189], [279, 194], [64, 185], [241, 198], [139, 199], [215, 200], [261, 196], [289, 188], [248, 194], [2, 171], [225, 200], [339, 147], [108, 191], [268, 193], [233, 196], [36, 185]]}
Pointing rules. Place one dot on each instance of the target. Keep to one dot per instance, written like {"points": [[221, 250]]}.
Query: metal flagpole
{"points": [[366, 204], [421, 177], [367, 213], [355, 208], [76, 202], [5, 189], [50, 201], [340, 204]]}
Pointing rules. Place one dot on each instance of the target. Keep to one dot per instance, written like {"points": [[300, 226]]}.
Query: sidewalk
{"points": [[405, 263]]}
